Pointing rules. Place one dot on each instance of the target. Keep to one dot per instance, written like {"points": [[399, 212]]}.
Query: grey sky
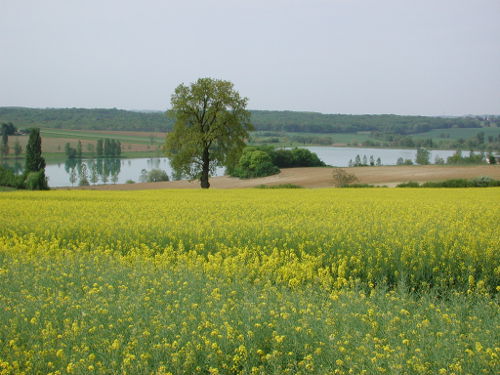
{"points": [[429, 57]]}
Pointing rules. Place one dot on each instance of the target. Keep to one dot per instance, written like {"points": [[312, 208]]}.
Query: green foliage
{"points": [[402, 161], [110, 147], [34, 160], [79, 151], [337, 123], [84, 181], [483, 181], [254, 163], [358, 162], [8, 128], [458, 158], [90, 119], [296, 157], [154, 175], [423, 156], [409, 184], [36, 180], [275, 121], [17, 149], [34, 170], [280, 186], [105, 147], [361, 186], [100, 148], [9, 178], [260, 161], [70, 152], [211, 125]]}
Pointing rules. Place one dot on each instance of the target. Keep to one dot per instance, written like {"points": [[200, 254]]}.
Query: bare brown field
{"points": [[322, 177], [56, 144], [50, 144]]}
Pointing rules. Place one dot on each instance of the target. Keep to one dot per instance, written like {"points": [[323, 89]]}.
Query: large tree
{"points": [[211, 125]]}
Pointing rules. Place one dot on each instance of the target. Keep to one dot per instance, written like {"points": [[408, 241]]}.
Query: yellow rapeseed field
{"points": [[329, 281]]}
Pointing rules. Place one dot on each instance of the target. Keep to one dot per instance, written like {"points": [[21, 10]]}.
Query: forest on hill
{"points": [[287, 121]]}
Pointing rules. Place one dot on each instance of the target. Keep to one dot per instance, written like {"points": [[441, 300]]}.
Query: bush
{"points": [[483, 181], [410, 184], [254, 163], [297, 157], [36, 181], [8, 178], [361, 186], [154, 175], [281, 186], [130, 182], [341, 178], [265, 161]]}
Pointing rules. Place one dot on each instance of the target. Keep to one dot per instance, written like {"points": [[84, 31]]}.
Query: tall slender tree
{"points": [[34, 160], [35, 164], [5, 140]]}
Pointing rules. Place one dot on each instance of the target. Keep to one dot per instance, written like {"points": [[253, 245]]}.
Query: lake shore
{"points": [[322, 177]]}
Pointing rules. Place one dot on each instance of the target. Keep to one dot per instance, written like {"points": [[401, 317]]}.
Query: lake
{"points": [[120, 170]]}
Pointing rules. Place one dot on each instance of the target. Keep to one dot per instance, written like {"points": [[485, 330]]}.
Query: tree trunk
{"points": [[205, 169]]}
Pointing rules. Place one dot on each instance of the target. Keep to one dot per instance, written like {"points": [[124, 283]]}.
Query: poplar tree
{"points": [[34, 160], [34, 170]]}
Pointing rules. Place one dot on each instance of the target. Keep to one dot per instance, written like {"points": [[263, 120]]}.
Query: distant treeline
{"points": [[289, 121]]}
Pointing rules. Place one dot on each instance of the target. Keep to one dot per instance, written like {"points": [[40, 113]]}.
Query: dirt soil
{"points": [[322, 177]]}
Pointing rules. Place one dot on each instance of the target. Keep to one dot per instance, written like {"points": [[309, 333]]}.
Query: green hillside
{"points": [[283, 121]]}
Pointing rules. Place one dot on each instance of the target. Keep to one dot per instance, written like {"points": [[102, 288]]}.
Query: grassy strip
{"points": [[454, 183], [281, 186]]}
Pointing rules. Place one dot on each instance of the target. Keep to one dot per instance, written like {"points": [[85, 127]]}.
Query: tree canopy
{"points": [[210, 128], [35, 164], [279, 121]]}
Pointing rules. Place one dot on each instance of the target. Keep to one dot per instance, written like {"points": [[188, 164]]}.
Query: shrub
{"points": [[410, 184], [154, 175], [297, 157], [36, 181], [254, 163], [8, 178], [341, 178], [130, 182], [281, 186], [360, 186], [483, 181]]}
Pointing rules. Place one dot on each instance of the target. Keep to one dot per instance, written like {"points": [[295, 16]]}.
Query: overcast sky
{"points": [[427, 57]]}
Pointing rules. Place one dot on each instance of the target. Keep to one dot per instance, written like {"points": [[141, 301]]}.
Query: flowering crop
{"points": [[250, 282]]}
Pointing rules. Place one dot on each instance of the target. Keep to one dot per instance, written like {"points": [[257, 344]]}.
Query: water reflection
{"points": [[110, 170], [92, 171]]}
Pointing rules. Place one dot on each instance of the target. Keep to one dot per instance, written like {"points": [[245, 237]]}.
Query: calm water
{"points": [[120, 170]]}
